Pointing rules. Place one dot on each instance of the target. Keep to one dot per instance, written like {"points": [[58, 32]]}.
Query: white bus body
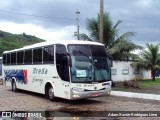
{"points": [[66, 69]]}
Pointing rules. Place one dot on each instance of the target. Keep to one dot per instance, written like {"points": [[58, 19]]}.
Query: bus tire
{"points": [[14, 87], [50, 93]]}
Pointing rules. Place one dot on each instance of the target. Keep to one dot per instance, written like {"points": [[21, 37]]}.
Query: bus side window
{"points": [[37, 55], [61, 62], [13, 58], [8, 58], [48, 54], [20, 56], [28, 57], [4, 59]]}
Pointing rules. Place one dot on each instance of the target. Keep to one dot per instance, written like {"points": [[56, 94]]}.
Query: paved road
{"points": [[30, 101]]}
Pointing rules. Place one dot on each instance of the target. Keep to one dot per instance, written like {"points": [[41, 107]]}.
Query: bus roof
{"points": [[64, 42]]}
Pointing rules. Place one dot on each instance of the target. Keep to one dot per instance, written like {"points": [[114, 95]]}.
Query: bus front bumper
{"points": [[89, 94]]}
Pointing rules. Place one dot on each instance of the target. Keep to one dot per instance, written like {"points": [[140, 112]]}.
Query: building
{"points": [[123, 71]]}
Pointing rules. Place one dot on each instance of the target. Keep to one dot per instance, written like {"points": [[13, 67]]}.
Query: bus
{"points": [[69, 69]]}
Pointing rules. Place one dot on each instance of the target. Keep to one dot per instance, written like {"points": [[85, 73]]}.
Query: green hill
{"points": [[10, 41]]}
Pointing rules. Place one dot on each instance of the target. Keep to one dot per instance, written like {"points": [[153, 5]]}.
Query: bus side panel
{"points": [[11, 72], [34, 78], [6, 81], [40, 75]]}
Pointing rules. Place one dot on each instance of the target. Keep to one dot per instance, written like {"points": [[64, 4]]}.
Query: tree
{"points": [[119, 47], [150, 59]]}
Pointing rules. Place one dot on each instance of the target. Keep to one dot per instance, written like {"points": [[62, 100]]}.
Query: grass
{"points": [[149, 83], [141, 83]]}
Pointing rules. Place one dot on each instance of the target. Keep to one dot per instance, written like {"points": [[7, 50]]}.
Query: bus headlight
{"points": [[77, 89], [76, 96]]}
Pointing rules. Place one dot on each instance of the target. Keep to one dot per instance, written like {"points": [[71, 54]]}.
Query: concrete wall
{"points": [[124, 71]]}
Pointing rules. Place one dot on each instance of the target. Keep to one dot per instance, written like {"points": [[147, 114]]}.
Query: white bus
{"points": [[69, 69]]}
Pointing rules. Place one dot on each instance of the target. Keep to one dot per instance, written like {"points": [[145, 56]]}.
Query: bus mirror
{"points": [[111, 60], [69, 60]]}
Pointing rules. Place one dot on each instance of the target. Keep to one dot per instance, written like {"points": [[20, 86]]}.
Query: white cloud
{"points": [[136, 52], [39, 31], [138, 16], [5, 4], [144, 3]]}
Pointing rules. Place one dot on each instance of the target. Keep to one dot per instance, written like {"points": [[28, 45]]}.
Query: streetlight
{"points": [[77, 12]]}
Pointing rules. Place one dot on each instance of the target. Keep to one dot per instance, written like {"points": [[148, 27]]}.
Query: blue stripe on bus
{"points": [[19, 75]]}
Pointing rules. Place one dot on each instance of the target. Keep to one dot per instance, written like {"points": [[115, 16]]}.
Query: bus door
{"points": [[63, 72]]}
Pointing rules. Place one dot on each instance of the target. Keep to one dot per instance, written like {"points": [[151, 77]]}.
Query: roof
{"points": [[64, 42]]}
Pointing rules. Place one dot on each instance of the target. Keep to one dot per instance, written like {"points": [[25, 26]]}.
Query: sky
{"points": [[56, 19]]}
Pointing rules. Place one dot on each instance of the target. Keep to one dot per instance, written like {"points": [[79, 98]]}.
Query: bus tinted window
{"points": [[28, 57], [8, 58], [61, 62], [4, 59], [48, 54], [20, 56], [13, 58], [37, 55]]}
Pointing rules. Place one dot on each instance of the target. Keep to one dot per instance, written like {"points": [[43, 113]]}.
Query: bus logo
{"points": [[95, 88]]}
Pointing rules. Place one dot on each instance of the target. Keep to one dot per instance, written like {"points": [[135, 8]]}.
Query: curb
{"points": [[136, 95]]}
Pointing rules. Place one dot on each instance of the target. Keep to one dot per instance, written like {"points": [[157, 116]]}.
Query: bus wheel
{"points": [[14, 87], [50, 93]]}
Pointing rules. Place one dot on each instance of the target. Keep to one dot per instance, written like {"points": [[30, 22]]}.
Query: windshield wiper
{"points": [[84, 54], [90, 62], [93, 65]]}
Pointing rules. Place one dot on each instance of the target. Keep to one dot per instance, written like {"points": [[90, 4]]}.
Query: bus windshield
{"points": [[89, 64]]}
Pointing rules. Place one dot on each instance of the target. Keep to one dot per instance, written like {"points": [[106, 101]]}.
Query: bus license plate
{"points": [[94, 94]]}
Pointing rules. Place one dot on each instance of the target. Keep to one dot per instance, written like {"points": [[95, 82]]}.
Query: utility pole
{"points": [[77, 12], [101, 22]]}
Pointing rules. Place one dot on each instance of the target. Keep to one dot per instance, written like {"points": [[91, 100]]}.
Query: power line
{"points": [[24, 14], [158, 1], [152, 3]]}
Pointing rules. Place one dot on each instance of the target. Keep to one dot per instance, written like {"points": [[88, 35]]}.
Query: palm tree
{"points": [[119, 47], [150, 59]]}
